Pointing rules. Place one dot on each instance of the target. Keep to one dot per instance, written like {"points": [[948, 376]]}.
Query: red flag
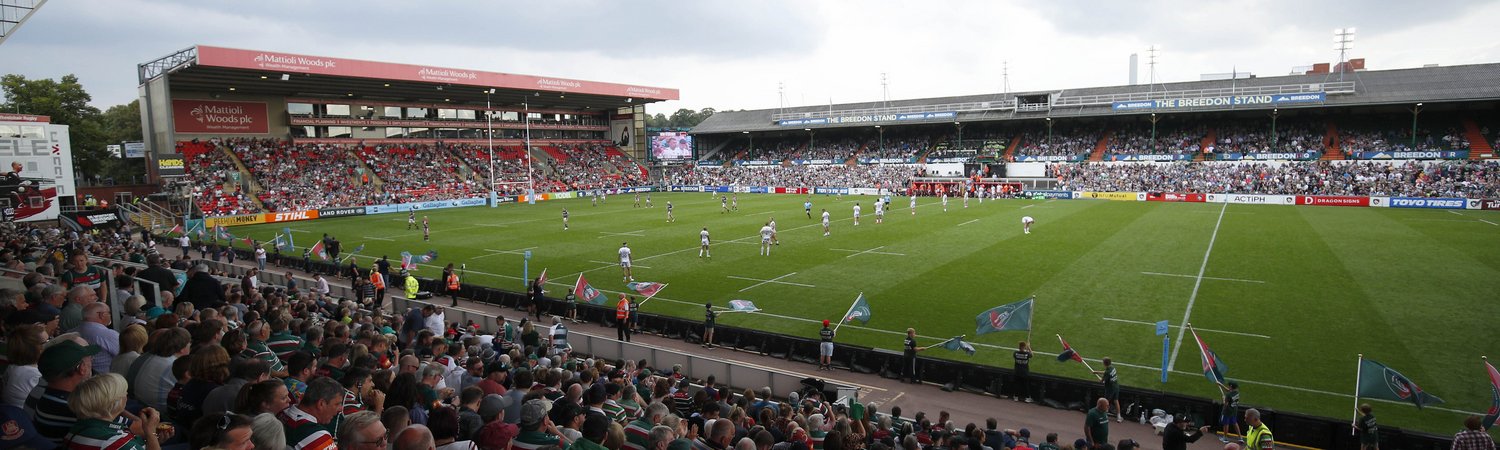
{"points": [[1068, 352], [541, 280], [1494, 412]]}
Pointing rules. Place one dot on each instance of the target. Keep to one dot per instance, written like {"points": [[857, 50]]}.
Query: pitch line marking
{"points": [[1188, 314], [1481, 220], [870, 251], [515, 252], [632, 264], [636, 233], [969, 222], [1262, 336], [379, 238], [1206, 278], [1028, 206], [773, 280]]}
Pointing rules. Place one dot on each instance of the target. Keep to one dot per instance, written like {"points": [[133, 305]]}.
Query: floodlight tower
{"points": [[14, 13], [1343, 40]]}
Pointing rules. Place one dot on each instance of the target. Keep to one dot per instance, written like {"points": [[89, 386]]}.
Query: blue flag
{"points": [[958, 344]]}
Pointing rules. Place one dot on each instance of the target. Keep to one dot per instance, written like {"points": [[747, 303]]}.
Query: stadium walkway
{"points": [[884, 393]]}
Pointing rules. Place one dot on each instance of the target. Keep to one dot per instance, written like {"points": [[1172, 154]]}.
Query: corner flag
{"points": [[1494, 412], [646, 288], [317, 249], [1013, 316]]}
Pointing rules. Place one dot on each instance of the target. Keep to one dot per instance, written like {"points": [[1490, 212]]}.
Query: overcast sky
{"points": [[733, 55]]}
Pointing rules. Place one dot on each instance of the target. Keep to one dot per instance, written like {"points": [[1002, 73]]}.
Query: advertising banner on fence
{"points": [[946, 115], [1116, 196], [1219, 102], [1174, 197], [1301, 156], [1429, 203], [1445, 154], [94, 218], [219, 116], [341, 212], [291, 216], [1252, 199], [1187, 157], [1053, 158], [1064, 195], [436, 204], [229, 221], [1332, 200], [830, 191], [1490, 204]]}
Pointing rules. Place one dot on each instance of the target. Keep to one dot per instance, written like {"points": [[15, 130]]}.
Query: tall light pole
{"points": [[809, 138], [1343, 40], [1274, 112], [960, 127], [881, 131], [1049, 132], [530, 185], [1414, 112], [1154, 147], [489, 134], [751, 137]]}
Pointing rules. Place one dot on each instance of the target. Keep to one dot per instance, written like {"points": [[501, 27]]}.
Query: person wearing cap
{"points": [[495, 374], [825, 347], [19, 431], [495, 433], [64, 365], [1180, 432], [1229, 415], [202, 289], [537, 430]]}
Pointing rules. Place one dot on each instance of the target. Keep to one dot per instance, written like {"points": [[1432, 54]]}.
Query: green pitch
{"points": [[1287, 298]]}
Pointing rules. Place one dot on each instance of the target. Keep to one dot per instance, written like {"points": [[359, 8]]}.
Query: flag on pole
{"points": [[317, 249], [176, 229], [358, 249], [1378, 381], [1494, 412], [1013, 316], [587, 293], [860, 311], [957, 344], [742, 306], [200, 233], [1068, 352], [223, 233], [425, 258], [1213, 367], [541, 280], [406, 262], [279, 242], [646, 288], [288, 232], [249, 242]]}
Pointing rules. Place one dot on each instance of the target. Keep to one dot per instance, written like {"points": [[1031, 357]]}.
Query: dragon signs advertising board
{"points": [[219, 116], [36, 167]]}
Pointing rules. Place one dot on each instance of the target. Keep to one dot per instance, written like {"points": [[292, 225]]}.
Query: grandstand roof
{"points": [[1466, 83], [211, 69]]}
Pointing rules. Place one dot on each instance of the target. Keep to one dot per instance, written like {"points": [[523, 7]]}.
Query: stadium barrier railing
{"points": [[1290, 427]]}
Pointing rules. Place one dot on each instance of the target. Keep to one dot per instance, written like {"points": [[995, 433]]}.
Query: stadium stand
{"points": [[216, 182], [1396, 179], [302, 177]]}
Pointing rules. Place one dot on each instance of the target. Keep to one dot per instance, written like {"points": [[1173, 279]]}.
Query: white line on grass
{"points": [[1262, 336], [1194, 297], [1481, 220], [379, 238], [864, 252], [1028, 206], [969, 222], [1206, 278], [636, 233], [773, 280], [632, 265]]}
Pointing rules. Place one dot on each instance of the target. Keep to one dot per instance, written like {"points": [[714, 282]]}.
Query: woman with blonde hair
{"points": [[97, 402], [131, 343]]}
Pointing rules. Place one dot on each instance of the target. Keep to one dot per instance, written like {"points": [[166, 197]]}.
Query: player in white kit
{"points": [[856, 214], [879, 212], [966, 197], [765, 239], [1026, 224], [703, 244], [825, 221], [945, 201], [774, 239], [625, 261], [670, 218], [913, 204]]}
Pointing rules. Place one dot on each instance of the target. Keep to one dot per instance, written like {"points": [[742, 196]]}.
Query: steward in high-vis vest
{"points": [[453, 287], [622, 319], [1258, 436], [411, 285], [378, 281]]}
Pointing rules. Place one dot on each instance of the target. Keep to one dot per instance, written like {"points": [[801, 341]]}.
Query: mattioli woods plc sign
{"points": [[217, 116]]}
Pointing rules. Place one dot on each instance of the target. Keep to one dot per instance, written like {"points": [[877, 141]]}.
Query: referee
{"points": [[825, 348], [909, 370]]}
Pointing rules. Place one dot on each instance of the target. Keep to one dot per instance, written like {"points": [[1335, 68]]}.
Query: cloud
{"points": [[734, 55]]}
